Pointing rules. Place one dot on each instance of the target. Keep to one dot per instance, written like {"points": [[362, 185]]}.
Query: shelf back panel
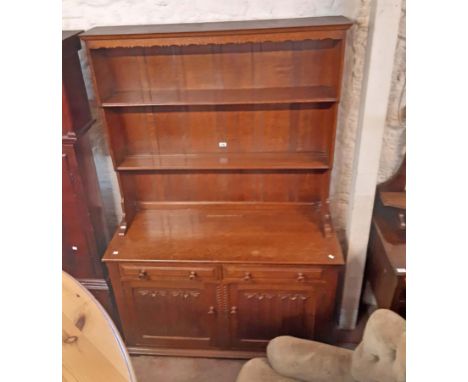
{"points": [[225, 186], [226, 129], [228, 66]]}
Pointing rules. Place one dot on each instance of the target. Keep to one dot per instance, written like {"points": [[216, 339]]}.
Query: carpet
{"points": [[179, 369]]}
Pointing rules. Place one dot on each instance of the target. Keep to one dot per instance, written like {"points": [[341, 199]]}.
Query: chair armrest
{"points": [[309, 360]]}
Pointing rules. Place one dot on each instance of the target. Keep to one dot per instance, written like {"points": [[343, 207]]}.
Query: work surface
{"points": [[224, 233]]}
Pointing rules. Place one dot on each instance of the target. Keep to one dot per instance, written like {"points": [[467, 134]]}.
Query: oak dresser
{"points": [[222, 136]]}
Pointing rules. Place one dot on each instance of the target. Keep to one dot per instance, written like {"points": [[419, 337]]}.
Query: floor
{"points": [[178, 369]]}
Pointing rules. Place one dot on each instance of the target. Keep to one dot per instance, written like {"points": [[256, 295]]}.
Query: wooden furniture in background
{"points": [[92, 349], [84, 232], [222, 136], [386, 260]]}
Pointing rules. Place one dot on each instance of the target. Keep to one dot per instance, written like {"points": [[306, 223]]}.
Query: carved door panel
{"points": [[259, 313], [179, 315]]}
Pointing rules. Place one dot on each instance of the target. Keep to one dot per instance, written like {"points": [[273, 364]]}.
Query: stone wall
{"points": [[348, 116], [84, 14], [394, 140]]}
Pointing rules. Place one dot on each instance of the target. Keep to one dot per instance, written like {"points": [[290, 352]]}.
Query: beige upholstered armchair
{"points": [[380, 357]]}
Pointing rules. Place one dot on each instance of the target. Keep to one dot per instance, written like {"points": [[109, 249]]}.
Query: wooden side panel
{"points": [[103, 77], [116, 133], [91, 192], [79, 253], [75, 109], [380, 273]]}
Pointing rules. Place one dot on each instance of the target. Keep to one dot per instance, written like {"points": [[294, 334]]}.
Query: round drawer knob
{"points": [[211, 310], [247, 276], [142, 275], [300, 277], [233, 310], [192, 275]]}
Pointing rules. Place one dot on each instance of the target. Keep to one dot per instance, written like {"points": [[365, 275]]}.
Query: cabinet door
{"points": [[170, 314], [260, 312]]}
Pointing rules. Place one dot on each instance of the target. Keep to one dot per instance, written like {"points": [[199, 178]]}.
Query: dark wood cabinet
{"points": [[222, 137], [174, 306], [75, 225], [260, 312], [386, 260], [207, 306], [188, 319], [84, 232]]}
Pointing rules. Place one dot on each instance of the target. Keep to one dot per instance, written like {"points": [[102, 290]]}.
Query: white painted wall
{"points": [[85, 14]]}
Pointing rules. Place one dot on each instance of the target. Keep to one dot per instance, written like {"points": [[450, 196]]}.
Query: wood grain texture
{"points": [[228, 161], [92, 348], [285, 130], [290, 300], [252, 96], [226, 233]]}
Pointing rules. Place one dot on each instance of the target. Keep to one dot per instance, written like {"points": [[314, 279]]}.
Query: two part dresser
{"points": [[222, 136]]}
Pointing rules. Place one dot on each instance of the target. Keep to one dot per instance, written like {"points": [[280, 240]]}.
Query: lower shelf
{"points": [[227, 161], [177, 97]]}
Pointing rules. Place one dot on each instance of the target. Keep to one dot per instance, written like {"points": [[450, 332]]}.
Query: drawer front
{"points": [[266, 273], [168, 272]]}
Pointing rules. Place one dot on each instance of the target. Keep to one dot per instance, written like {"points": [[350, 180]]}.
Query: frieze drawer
{"points": [[167, 272], [252, 274]]}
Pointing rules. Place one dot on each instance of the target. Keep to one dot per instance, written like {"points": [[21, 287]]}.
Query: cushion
{"points": [[309, 360], [381, 354]]}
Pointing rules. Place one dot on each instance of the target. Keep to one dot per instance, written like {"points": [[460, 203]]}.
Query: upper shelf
{"points": [[187, 97], [227, 161]]}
